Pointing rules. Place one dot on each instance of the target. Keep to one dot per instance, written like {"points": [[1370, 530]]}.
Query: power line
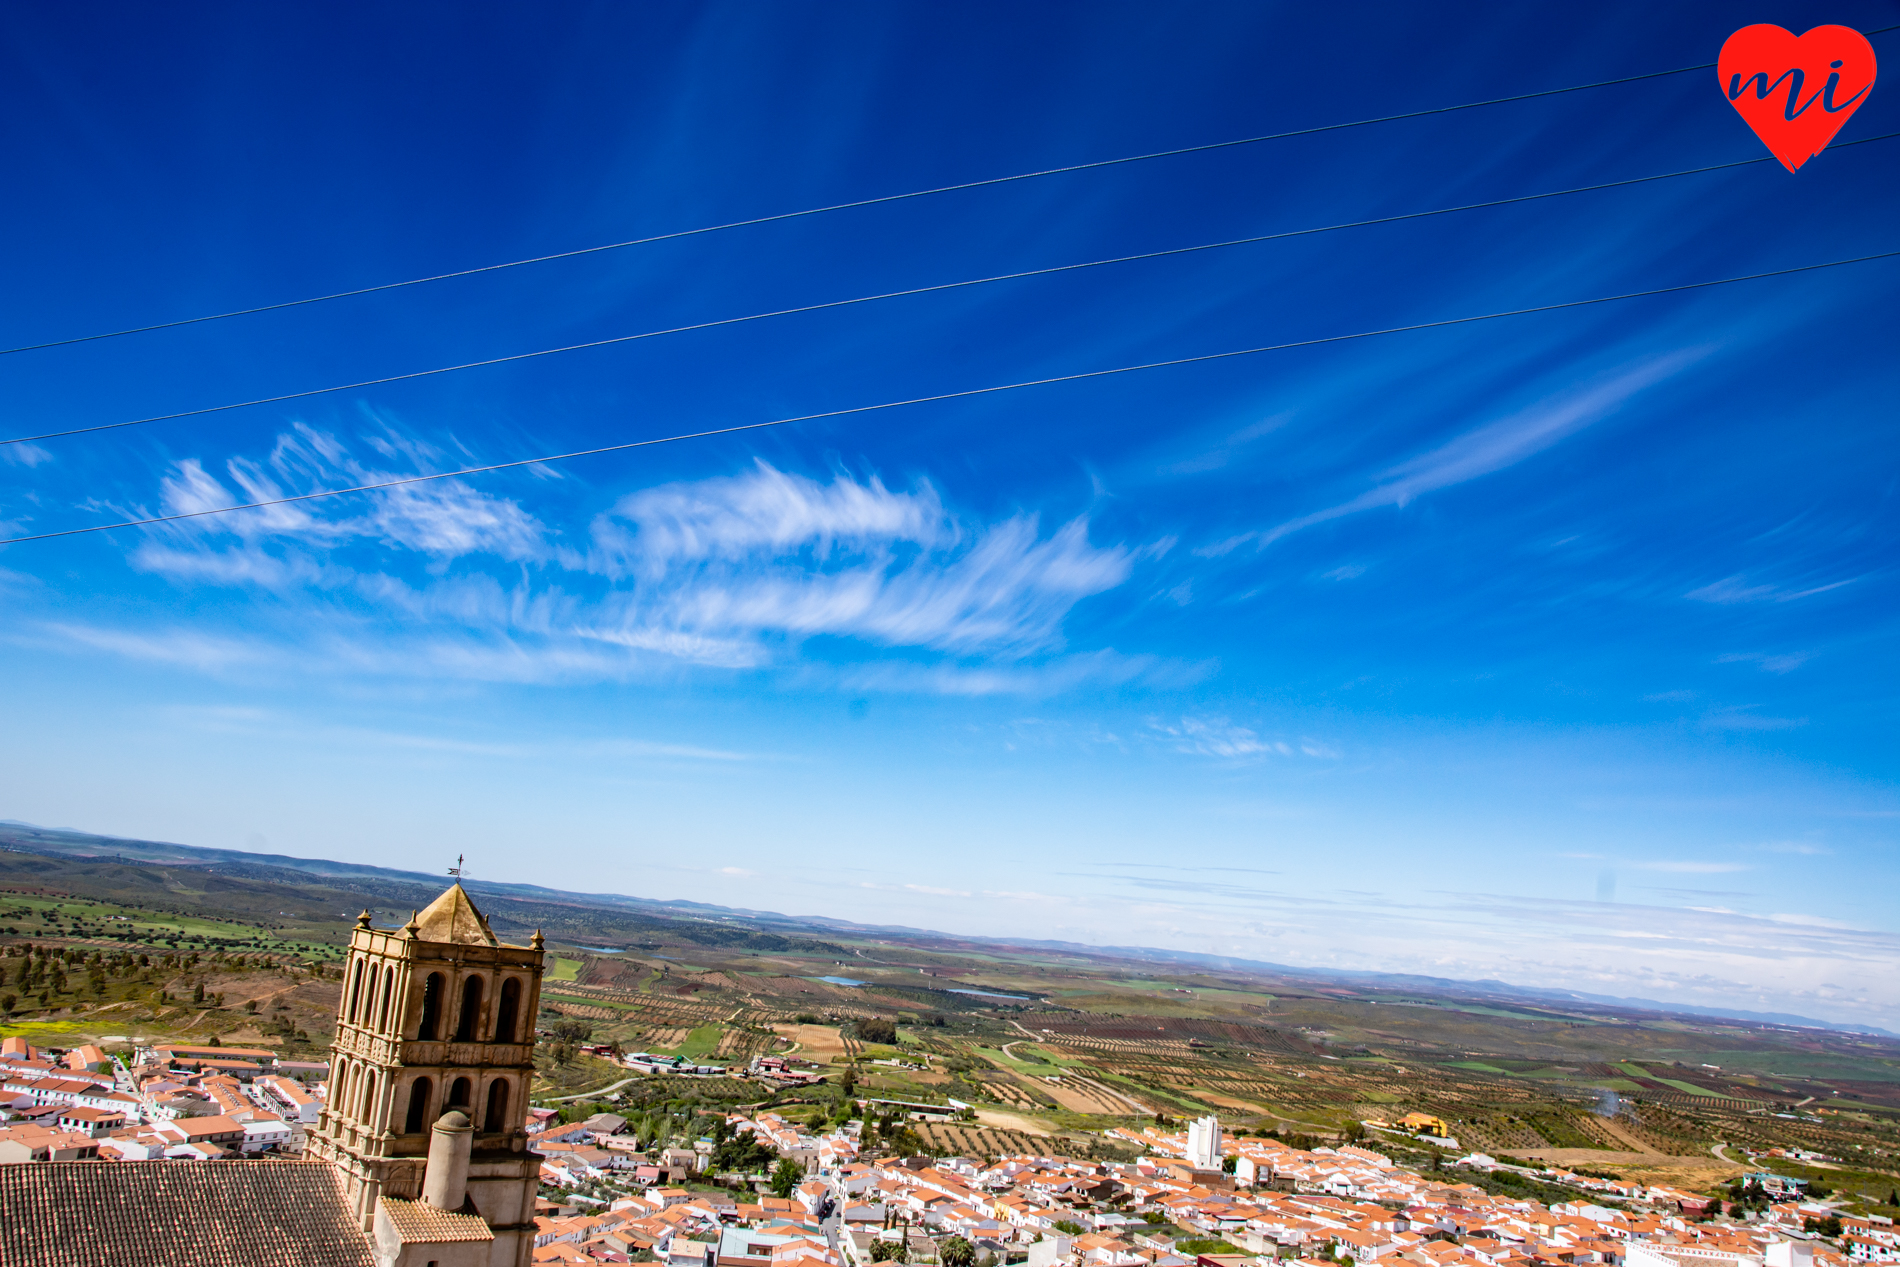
{"points": [[866, 202], [899, 294], [942, 396]]}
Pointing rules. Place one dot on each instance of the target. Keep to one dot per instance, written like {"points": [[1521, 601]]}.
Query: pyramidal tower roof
{"points": [[453, 917]]}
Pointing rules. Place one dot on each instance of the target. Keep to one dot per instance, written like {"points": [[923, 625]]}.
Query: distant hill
{"points": [[318, 891]]}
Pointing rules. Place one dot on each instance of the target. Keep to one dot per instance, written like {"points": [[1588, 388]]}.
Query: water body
{"points": [[841, 980], [605, 950], [987, 994]]}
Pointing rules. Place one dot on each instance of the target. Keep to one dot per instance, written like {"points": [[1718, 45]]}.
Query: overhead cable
{"points": [[893, 294], [868, 202], [941, 396]]}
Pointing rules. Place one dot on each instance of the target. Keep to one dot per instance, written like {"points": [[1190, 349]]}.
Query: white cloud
{"points": [[265, 725], [767, 554], [1767, 663], [448, 520], [1805, 847], [765, 511], [24, 454], [1736, 589], [1689, 867], [732, 572], [1741, 719], [1048, 677], [185, 648], [441, 519], [1486, 449], [1218, 737]]}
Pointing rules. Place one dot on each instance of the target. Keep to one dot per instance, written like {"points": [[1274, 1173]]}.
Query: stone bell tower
{"points": [[435, 1047]]}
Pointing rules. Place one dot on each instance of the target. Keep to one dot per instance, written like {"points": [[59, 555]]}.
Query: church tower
{"points": [[435, 1049]]}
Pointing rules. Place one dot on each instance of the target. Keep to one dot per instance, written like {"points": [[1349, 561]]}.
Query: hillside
{"points": [[123, 940]]}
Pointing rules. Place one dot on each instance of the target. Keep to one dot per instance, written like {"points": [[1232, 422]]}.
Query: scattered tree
{"points": [[568, 1035]]}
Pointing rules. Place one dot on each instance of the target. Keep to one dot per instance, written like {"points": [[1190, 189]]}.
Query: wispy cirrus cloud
{"points": [[1483, 450], [1688, 866], [1739, 589], [24, 454], [1216, 737], [1778, 664], [731, 572], [1221, 738]]}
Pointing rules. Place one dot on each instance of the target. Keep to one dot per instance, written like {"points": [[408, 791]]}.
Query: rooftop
{"points": [[178, 1214]]}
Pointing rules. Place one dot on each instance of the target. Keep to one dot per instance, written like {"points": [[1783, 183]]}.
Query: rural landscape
{"points": [[982, 635], [1026, 1047]]}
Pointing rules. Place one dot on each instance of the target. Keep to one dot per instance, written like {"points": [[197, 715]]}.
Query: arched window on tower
{"points": [[356, 992], [431, 1007], [468, 1024], [366, 1102], [418, 1106], [459, 1092], [497, 1115], [389, 989], [507, 1010]]}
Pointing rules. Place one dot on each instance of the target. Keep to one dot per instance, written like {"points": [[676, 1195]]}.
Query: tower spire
{"points": [[436, 1025]]}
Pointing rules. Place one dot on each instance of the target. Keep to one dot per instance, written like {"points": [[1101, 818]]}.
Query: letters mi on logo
{"points": [[1796, 91]]}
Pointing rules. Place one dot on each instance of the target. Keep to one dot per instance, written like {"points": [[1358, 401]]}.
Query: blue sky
{"points": [[1555, 649]]}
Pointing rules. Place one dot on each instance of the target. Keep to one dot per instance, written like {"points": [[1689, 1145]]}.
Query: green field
{"points": [[1805, 1065], [1262, 1047]]}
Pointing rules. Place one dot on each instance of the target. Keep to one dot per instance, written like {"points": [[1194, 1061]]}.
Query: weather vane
{"points": [[456, 870]]}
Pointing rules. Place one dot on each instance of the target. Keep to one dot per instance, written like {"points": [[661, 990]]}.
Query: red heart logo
{"points": [[1796, 92]]}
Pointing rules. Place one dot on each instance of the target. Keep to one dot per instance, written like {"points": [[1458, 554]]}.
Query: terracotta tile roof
{"points": [[178, 1214], [417, 1221]]}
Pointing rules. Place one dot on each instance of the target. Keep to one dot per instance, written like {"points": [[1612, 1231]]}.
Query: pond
{"points": [[841, 980]]}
